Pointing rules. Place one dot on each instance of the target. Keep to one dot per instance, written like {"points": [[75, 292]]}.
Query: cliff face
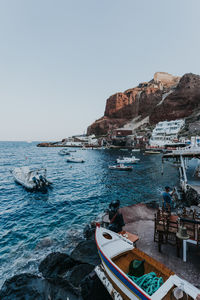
{"points": [[181, 103], [165, 97]]}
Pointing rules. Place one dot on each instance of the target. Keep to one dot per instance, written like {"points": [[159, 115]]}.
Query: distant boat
{"points": [[119, 258], [73, 150], [63, 152], [121, 167], [32, 179], [128, 160], [135, 150], [75, 160], [152, 152]]}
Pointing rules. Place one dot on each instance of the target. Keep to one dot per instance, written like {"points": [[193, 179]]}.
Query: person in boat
{"points": [[167, 199], [115, 217]]}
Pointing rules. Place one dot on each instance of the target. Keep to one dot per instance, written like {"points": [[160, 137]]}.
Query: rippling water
{"points": [[33, 224]]}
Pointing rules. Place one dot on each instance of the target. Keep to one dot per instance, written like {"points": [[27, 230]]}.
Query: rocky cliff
{"points": [[165, 97]]}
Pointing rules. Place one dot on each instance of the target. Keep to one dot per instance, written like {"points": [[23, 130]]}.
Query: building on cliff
{"points": [[166, 132]]}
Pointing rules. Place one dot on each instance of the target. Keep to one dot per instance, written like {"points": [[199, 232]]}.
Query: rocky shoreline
{"points": [[62, 276]]}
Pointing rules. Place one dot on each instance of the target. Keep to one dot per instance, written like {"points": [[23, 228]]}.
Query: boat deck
{"points": [[150, 264]]}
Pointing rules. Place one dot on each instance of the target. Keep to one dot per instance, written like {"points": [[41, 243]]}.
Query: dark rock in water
{"points": [[66, 273], [56, 264], [21, 286], [86, 252], [31, 287], [78, 273], [93, 289]]}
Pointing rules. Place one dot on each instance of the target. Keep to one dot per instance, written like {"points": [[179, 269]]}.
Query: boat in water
{"points": [[152, 152], [121, 167], [31, 179], [64, 152], [128, 160], [117, 254], [75, 160], [135, 150]]}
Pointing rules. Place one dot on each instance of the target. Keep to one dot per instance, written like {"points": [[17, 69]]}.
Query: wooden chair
{"points": [[160, 225], [172, 229]]}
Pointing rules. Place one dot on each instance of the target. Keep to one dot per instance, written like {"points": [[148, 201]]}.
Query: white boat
{"points": [[128, 160], [135, 150], [121, 167], [152, 152], [75, 160], [32, 179], [63, 152], [117, 252]]}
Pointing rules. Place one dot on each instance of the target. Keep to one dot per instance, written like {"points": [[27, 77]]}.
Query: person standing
{"points": [[167, 199]]}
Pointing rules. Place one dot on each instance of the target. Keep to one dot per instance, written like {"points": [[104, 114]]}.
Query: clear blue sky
{"points": [[60, 60]]}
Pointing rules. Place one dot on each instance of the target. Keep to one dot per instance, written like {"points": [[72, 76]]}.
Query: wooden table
{"points": [[130, 236]]}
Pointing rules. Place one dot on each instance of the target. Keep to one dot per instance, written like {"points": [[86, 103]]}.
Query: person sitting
{"points": [[115, 217], [167, 199]]}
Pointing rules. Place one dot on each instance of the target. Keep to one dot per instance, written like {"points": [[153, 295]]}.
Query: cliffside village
{"points": [[165, 135]]}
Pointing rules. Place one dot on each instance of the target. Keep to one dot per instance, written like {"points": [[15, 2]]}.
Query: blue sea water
{"points": [[33, 224]]}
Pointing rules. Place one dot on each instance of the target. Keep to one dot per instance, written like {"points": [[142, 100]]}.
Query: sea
{"points": [[34, 224]]}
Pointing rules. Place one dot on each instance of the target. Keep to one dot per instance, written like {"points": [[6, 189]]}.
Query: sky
{"points": [[60, 60]]}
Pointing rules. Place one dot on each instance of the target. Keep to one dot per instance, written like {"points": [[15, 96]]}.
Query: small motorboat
{"points": [[63, 152], [32, 179], [75, 160], [135, 150], [152, 152], [128, 160], [121, 167], [72, 150], [118, 254]]}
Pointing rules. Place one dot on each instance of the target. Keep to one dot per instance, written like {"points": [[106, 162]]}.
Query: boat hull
{"points": [[116, 253], [120, 282]]}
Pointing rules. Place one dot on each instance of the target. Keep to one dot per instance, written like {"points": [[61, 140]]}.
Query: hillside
{"points": [[165, 97]]}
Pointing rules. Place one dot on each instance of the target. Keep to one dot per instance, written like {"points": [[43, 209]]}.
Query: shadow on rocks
{"points": [[31, 287]]}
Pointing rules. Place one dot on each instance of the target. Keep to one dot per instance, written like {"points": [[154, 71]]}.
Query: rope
{"points": [[150, 283]]}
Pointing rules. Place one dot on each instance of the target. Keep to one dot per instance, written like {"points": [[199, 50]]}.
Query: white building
{"points": [[166, 132]]}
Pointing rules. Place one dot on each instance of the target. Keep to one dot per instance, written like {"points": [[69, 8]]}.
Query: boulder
{"points": [[93, 289], [78, 273], [56, 264], [86, 252], [31, 287]]}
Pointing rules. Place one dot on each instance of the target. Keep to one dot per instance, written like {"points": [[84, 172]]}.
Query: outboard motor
{"points": [[42, 179], [36, 181]]}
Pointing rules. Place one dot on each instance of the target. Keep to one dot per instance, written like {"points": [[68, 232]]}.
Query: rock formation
{"points": [[165, 97]]}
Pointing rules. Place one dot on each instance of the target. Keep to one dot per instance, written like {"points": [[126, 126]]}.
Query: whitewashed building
{"points": [[166, 132]]}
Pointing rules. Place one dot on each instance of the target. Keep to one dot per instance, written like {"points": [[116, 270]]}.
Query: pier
{"points": [[182, 157]]}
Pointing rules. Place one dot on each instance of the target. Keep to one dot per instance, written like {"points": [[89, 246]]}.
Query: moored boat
{"points": [[75, 160], [63, 152], [128, 160], [152, 152], [32, 179], [135, 150], [117, 253], [121, 167]]}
